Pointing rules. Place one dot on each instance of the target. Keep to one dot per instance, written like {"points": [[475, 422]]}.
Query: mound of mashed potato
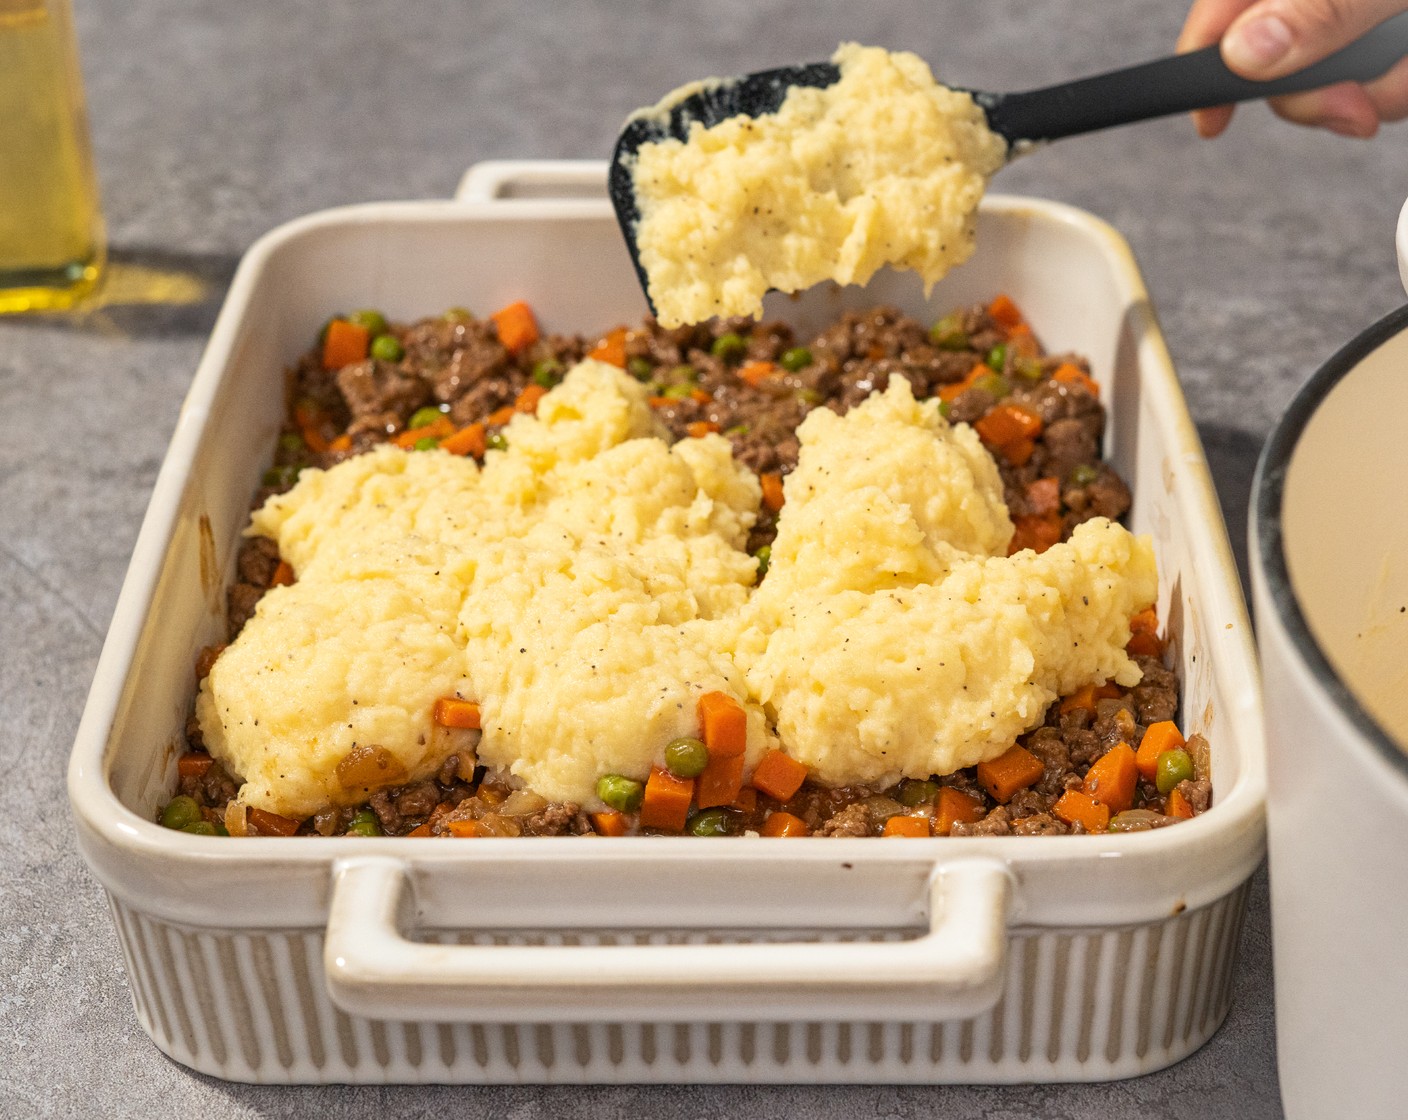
{"points": [[885, 167], [591, 582]]}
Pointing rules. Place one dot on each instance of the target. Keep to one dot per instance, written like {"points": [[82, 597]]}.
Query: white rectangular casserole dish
{"points": [[634, 960]]}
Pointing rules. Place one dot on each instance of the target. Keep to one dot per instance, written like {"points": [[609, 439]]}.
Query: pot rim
{"points": [[1268, 491]]}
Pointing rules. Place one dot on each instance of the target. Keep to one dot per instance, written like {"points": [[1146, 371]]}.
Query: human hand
{"points": [[1264, 39]]}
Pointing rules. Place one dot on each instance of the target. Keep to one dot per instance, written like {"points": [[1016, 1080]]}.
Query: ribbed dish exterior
{"points": [[1077, 1005]]}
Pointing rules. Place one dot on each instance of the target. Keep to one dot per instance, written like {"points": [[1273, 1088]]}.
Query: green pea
{"points": [[995, 384], [1172, 767], [426, 443], [387, 348], [736, 431], [496, 442], [620, 792], [364, 823], [181, 811], [280, 478], [1028, 369], [1083, 474], [201, 828], [458, 315], [809, 396], [374, 321], [424, 417], [997, 357], [712, 822], [916, 791], [678, 392], [944, 409], [640, 368], [291, 443], [547, 373], [686, 757], [764, 556], [684, 373], [729, 347], [799, 357], [948, 333]]}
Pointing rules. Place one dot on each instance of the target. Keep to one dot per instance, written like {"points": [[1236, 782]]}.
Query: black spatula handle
{"points": [[1199, 80]]}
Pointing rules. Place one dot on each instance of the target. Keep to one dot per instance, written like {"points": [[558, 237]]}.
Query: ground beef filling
{"points": [[754, 383]]}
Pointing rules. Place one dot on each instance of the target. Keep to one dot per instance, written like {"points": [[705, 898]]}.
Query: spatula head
{"points": [[708, 103]]}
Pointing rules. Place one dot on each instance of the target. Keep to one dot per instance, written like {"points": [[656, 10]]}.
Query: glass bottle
{"points": [[51, 230]]}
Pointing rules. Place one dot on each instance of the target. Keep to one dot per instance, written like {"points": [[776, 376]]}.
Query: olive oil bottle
{"points": [[51, 232]]}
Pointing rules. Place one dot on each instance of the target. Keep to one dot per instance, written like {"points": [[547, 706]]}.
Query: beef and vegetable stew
{"points": [[1103, 756]]}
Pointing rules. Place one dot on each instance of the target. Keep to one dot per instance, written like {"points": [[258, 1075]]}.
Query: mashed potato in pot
{"points": [[886, 166], [591, 582]]}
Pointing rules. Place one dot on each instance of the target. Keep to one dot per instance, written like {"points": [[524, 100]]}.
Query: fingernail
{"points": [[1345, 127], [1256, 45]]}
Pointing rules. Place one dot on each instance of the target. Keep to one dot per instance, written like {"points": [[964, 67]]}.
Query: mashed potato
{"points": [[886, 166], [590, 583]]}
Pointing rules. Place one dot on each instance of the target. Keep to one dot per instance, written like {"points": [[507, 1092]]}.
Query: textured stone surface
{"points": [[212, 122]]}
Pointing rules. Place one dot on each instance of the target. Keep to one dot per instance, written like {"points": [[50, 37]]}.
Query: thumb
{"points": [[1278, 37]]}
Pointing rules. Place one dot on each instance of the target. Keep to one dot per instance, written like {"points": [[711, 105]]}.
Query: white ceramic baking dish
{"points": [[633, 960]]}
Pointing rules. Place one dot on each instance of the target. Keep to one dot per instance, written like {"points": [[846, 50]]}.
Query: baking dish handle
{"points": [[503, 180], [952, 971]]}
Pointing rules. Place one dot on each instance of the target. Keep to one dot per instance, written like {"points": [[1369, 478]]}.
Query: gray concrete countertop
{"points": [[213, 122]]}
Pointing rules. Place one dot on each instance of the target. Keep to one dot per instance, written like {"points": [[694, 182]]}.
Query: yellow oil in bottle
{"points": [[51, 233]]}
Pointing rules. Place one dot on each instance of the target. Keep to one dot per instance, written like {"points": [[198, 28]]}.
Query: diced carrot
{"points": [[517, 327], [1071, 373], [341, 443], [1086, 695], [772, 490], [1144, 634], [700, 428], [755, 373], [723, 723], [500, 417], [784, 824], [609, 822], [344, 344], [194, 764], [1014, 769], [611, 349], [1019, 451], [1159, 737], [666, 802], [779, 775], [660, 402], [465, 828], [1044, 496], [271, 824], [1006, 423], [1037, 533], [469, 440], [907, 826], [1022, 343], [1111, 778], [451, 711], [702, 396], [436, 430], [1178, 806], [958, 388], [528, 399], [421, 830], [283, 575], [721, 782], [439, 813], [1005, 313], [310, 420], [954, 806], [1077, 807], [747, 799]]}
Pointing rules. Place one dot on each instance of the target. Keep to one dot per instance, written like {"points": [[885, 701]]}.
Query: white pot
{"points": [[1330, 587]]}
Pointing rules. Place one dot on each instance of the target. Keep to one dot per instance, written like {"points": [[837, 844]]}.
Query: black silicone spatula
{"points": [[1178, 84]]}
